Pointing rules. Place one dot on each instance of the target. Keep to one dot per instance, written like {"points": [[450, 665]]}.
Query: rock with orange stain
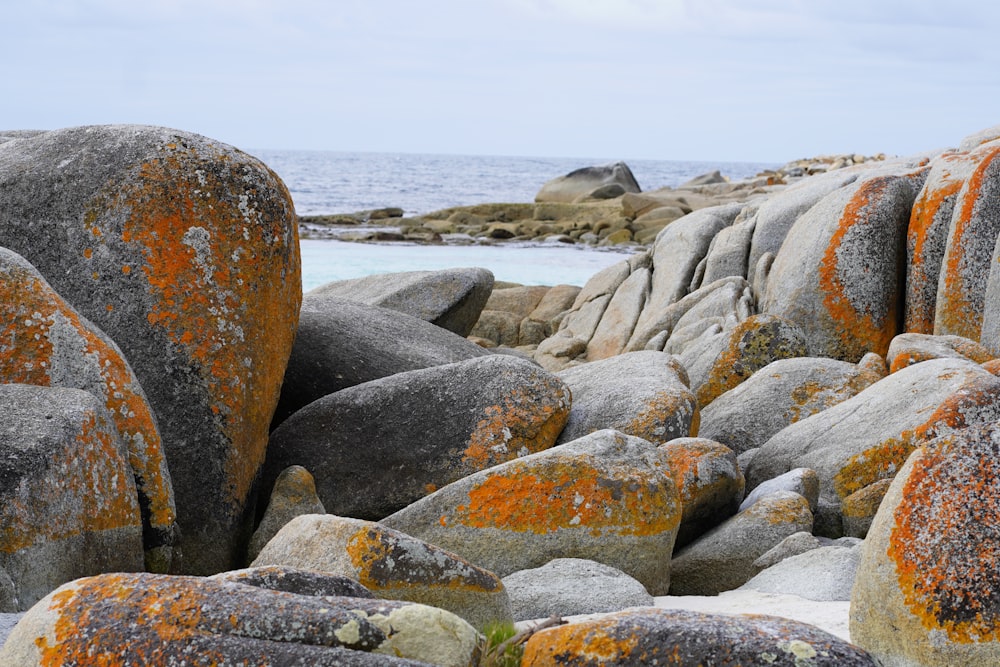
{"points": [[859, 508], [723, 559], [46, 342], [376, 447], [968, 263], [912, 348], [782, 393], [450, 298], [927, 237], [650, 636], [719, 361], [802, 481], [184, 251], [68, 502], [868, 437], [294, 493], [926, 589], [644, 394], [116, 620], [341, 343], [606, 497], [709, 481], [390, 564], [839, 272]]}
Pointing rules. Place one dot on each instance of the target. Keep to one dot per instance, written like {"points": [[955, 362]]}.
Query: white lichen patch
{"points": [[199, 239], [349, 633], [428, 634]]}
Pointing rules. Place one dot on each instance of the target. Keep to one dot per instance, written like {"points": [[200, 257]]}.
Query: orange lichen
{"points": [[665, 416], [522, 423], [858, 331], [571, 495], [782, 512], [596, 641], [35, 325], [943, 542], [960, 299]]}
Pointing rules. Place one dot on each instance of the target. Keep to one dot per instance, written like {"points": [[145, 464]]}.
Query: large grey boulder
{"points": [[825, 573], [606, 497], [341, 343], [376, 447], [184, 251], [644, 394], [450, 298], [581, 182], [68, 502], [572, 586]]}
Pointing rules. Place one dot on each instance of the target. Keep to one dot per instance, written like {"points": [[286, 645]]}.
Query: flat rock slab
{"points": [[450, 298], [379, 446]]}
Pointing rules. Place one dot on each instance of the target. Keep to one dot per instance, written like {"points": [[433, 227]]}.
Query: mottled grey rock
{"points": [[390, 564], [449, 298], [376, 447], [911, 348], [802, 481], [619, 318], [606, 497], [137, 228], [639, 393], [793, 545], [728, 253], [341, 343], [572, 586], [68, 502], [297, 581], [582, 182], [723, 558], [294, 493], [824, 573]]}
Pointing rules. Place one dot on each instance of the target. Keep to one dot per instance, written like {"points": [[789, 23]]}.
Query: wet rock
{"points": [[450, 298], [606, 497], [571, 586], [184, 251], [390, 564], [376, 447]]}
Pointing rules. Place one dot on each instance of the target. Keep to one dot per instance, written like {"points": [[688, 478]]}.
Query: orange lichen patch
{"points": [[666, 415], [691, 465], [882, 461], [571, 495], [865, 502], [962, 288], [223, 273], [88, 253], [753, 344], [524, 423], [92, 493], [595, 642], [45, 342], [387, 561], [929, 219], [992, 366], [943, 541], [867, 324], [781, 511]]}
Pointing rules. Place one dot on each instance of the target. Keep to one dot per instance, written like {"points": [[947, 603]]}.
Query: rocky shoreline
{"points": [[791, 389]]}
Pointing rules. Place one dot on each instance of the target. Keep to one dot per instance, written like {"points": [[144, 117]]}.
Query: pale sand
{"points": [[829, 616]]}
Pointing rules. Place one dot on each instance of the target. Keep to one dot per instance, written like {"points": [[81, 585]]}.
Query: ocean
{"points": [[326, 182]]}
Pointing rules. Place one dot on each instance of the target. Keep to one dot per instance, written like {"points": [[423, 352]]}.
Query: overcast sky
{"points": [[755, 80]]}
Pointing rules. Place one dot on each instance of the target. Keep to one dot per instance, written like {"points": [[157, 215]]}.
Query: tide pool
{"points": [[324, 261]]}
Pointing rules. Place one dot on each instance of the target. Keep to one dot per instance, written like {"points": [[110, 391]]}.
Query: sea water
{"points": [[326, 182]]}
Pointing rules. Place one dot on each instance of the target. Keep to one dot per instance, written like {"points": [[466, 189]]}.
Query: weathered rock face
{"points": [[390, 564], [640, 393], [293, 580], [723, 558], [184, 251], [582, 182], [68, 502], [379, 446], [47, 343], [293, 494], [926, 587], [912, 348], [606, 497], [868, 437], [782, 393], [839, 273], [571, 586], [341, 343], [106, 620], [451, 299], [826, 573], [671, 636]]}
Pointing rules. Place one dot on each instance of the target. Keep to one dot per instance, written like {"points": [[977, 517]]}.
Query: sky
{"points": [[718, 80]]}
